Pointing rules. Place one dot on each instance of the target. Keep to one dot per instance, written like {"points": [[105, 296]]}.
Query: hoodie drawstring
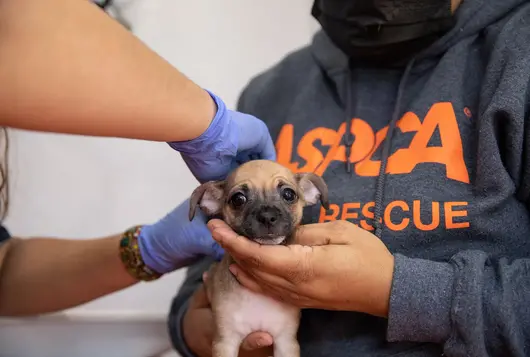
{"points": [[380, 188], [348, 140]]}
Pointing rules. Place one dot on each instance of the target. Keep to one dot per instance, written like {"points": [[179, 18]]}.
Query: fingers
{"points": [[199, 299], [245, 279], [250, 280], [311, 235], [266, 146], [257, 138], [281, 291], [228, 239], [205, 285], [268, 151], [252, 254], [257, 340], [316, 234], [197, 330], [250, 283]]}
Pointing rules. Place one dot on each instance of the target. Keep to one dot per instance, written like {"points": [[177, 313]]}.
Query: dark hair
{"points": [[4, 176]]}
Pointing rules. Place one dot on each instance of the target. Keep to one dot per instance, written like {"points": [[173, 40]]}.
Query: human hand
{"points": [[231, 139], [174, 241], [332, 266], [198, 330]]}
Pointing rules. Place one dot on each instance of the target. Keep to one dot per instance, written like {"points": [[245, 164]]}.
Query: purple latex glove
{"points": [[175, 242], [231, 139]]}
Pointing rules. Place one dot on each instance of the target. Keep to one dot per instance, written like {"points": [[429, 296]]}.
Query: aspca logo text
{"points": [[399, 215], [441, 117]]}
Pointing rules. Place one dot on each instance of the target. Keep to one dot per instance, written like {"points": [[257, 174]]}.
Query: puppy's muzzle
{"points": [[267, 224], [268, 216]]}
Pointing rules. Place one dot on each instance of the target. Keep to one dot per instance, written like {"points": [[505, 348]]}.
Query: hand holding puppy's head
{"points": [[261, 200]]}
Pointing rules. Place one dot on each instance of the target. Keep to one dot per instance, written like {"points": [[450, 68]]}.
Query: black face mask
{"points": [[383, 32]]}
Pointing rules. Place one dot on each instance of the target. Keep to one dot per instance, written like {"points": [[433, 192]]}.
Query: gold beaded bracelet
{"points": [[131, 257]]}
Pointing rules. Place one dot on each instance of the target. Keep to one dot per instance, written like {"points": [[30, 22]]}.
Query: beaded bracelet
{"points": [[131, 257]]}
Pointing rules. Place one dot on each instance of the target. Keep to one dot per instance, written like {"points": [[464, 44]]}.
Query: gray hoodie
{"points": [[434, 158]]}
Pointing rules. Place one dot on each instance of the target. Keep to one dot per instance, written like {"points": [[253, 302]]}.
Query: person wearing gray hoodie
{"points": [[416, 115]]}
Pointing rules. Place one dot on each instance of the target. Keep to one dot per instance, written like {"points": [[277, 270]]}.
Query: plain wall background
{"points": [[78, 187]]}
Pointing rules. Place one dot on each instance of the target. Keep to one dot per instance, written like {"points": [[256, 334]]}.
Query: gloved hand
{"points": [[175, 242], [231, 139]]}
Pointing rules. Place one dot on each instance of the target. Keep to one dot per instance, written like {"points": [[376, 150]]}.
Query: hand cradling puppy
{"points": [[263, 201]]}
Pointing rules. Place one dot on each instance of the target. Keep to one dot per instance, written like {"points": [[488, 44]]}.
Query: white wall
{"points": [[76, 187]]}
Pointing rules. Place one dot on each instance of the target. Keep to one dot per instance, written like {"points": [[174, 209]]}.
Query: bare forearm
{"points": [[66, 67], [41, 275]]}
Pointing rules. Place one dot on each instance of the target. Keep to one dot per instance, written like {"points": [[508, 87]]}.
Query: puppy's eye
{"points": [[288, 195], [238, 200]]}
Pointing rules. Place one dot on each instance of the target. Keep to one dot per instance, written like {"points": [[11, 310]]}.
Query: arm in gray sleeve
{"points": [[180, 304], [473, 305]]}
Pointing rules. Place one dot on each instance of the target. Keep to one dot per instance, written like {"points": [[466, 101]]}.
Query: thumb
{"points": [[322, 233], [257, 340]]}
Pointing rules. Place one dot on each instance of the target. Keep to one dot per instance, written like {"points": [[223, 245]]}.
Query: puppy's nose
{"points": [[268, 216]]}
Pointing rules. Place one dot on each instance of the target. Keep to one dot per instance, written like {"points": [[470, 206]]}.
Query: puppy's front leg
{"points": [[226, 345], [286, 346]]}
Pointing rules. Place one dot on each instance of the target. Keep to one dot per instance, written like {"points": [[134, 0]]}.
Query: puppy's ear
{"points": [[313, 188], [209, 197]]}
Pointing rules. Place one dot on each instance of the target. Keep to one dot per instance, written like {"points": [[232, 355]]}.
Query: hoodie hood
{"points": [[471, 17]]}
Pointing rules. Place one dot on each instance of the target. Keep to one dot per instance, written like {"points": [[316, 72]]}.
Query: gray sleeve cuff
{"points": [[420, 301], [176, 333]]}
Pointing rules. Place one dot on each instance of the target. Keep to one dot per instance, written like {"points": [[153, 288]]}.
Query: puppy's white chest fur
{"points": [[238, 312], [244, 312]]}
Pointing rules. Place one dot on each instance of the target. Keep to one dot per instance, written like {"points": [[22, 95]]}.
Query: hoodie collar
{"points": [[471, 17], [328, 56]]}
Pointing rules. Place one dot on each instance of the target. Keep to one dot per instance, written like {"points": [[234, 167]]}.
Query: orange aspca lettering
{"points": [[441, 117], [404, 221], [284, 147], [399, 215], [368, 214], [450, 214], [435, 221], [349, 211], [332, 216]]}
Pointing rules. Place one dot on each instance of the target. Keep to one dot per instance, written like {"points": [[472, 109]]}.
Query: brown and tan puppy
{"points": [[263, 201]]}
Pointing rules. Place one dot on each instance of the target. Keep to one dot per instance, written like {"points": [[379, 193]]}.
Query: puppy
{"points": [[263, 201]]}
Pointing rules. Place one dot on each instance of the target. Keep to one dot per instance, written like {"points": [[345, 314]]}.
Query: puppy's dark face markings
{"points": [[261, 200], [265, 214]]}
